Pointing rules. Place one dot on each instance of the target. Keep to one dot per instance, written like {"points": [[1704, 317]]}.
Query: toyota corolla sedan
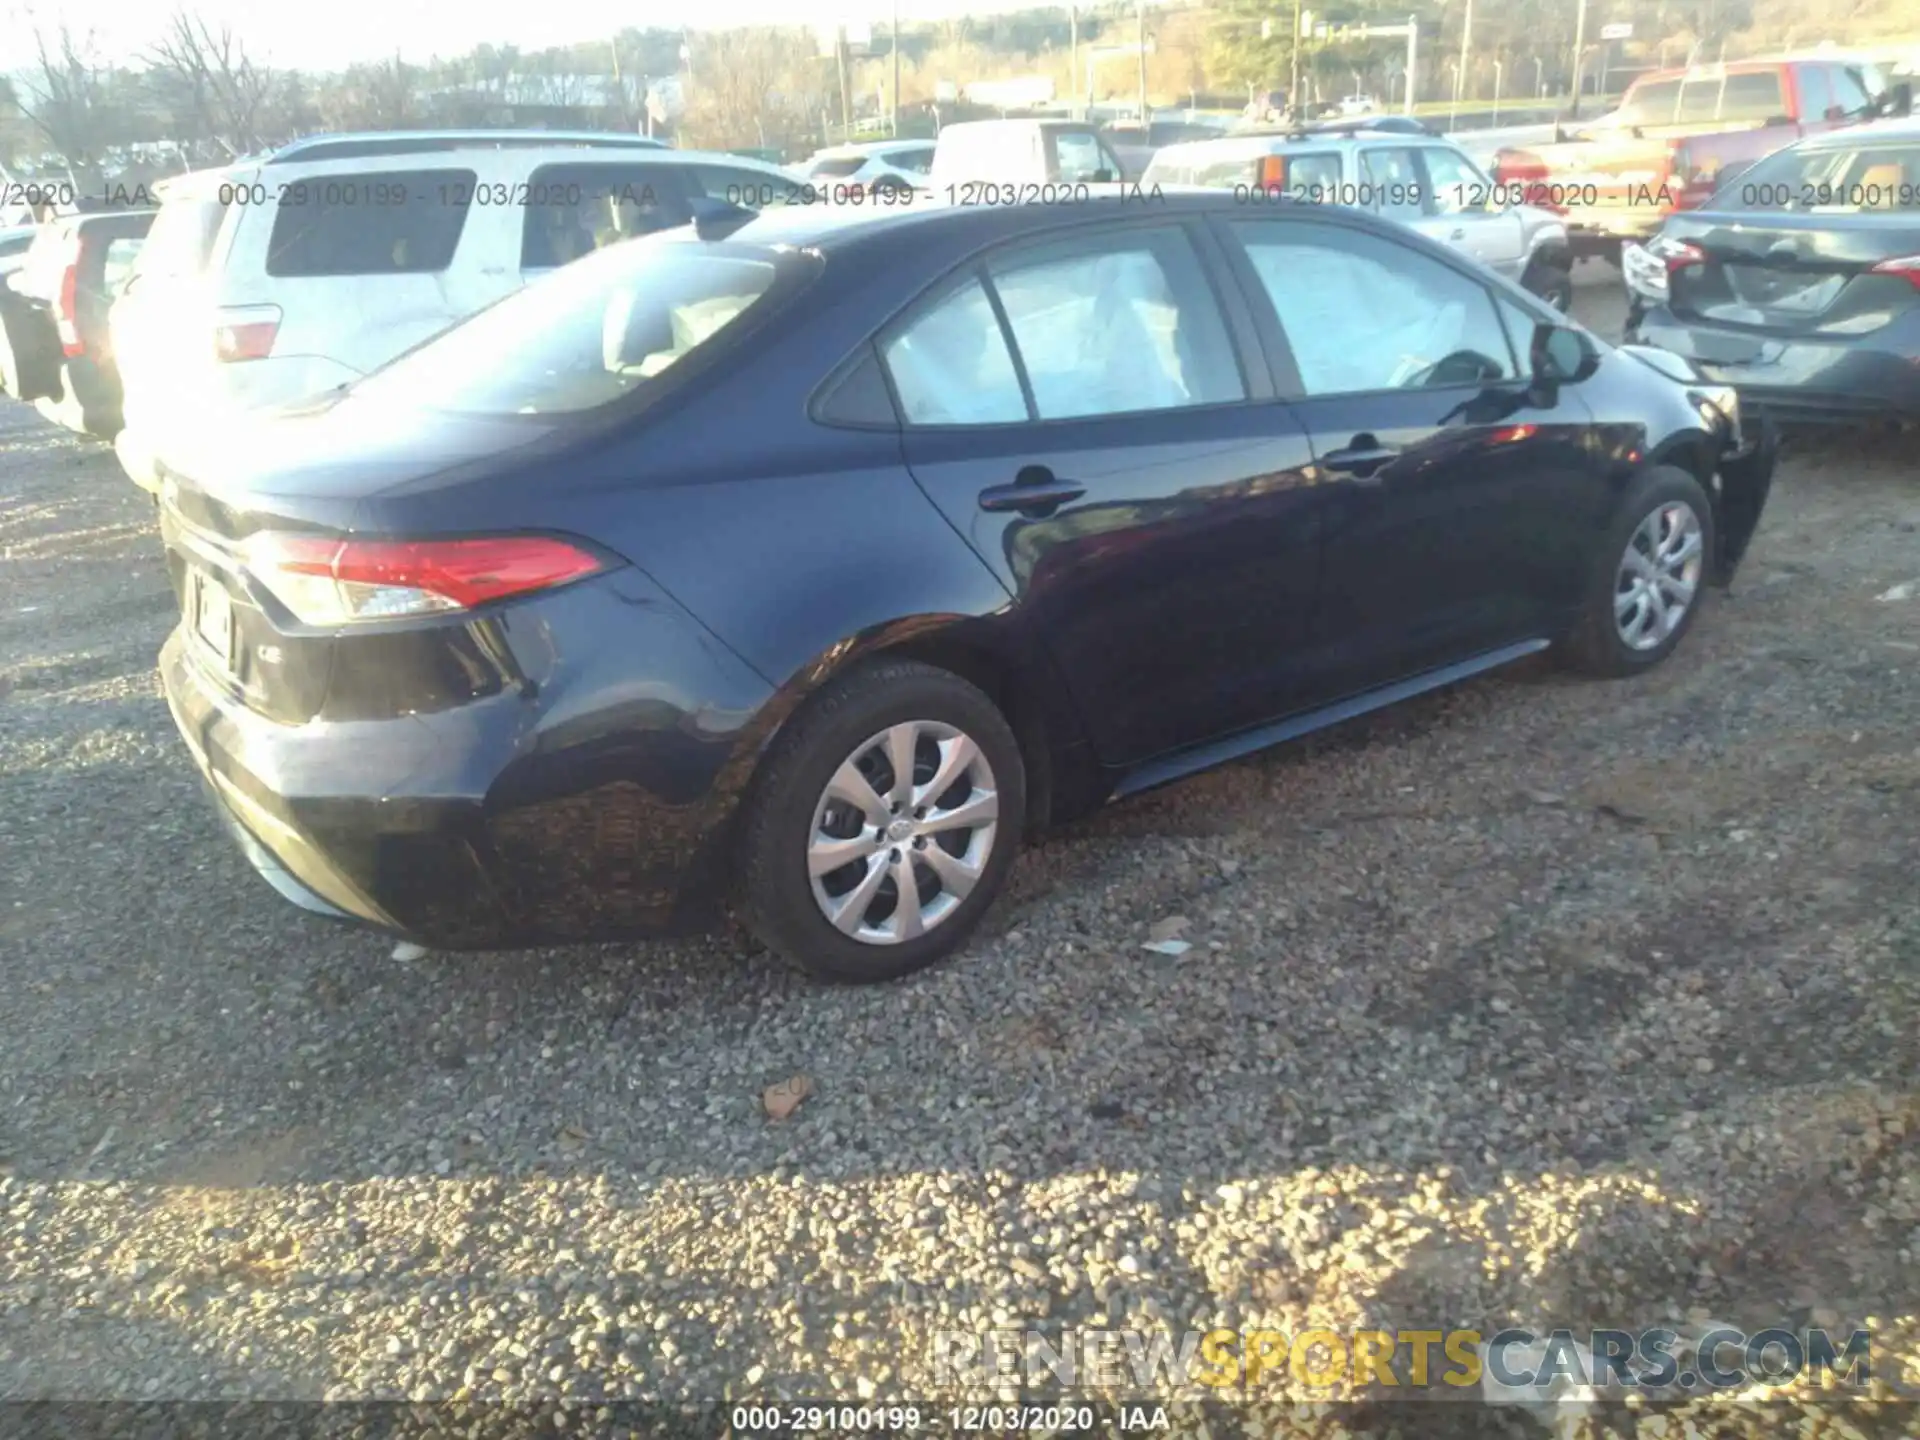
{"points": [[808, 562]]}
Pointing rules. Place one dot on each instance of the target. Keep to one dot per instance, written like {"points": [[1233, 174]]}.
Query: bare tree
{"points": [[745, 86], [64, 95], [214, 89]]}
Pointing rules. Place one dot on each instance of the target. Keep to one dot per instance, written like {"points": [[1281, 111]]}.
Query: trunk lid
{"points": [[1794, 274]]}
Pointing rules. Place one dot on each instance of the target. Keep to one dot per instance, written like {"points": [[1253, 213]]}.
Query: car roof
{"points": [[871, 147], [1900, 127], [196, 182], [1277, 141]]}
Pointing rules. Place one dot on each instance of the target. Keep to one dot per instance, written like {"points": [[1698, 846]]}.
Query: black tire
{"points": [[778, 902], [1552, 283], [1595, 645]]}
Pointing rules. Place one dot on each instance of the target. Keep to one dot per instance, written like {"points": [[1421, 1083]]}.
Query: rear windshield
{"points": [[376, 222], [583, 336], [837, 168], [1830, 179], [181, 241]]}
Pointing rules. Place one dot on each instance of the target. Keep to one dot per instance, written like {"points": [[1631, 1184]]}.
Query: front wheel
{"points": [[884, 823], [1552, 283], [1645, 586]]}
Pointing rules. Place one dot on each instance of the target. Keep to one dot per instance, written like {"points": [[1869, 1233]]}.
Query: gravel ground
{"points": [[1539, 1001]]}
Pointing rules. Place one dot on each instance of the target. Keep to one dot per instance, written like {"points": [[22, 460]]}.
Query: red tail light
{"points": [[66, 310], [1905, 266], [246, 333], [1675, 254], [328, 582]]}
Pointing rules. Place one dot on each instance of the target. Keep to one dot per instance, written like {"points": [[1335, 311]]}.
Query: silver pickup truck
{"points": [[1424, 181]]}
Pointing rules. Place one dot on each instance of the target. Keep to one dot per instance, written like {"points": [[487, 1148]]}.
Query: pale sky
{"points": [[328, 34]]}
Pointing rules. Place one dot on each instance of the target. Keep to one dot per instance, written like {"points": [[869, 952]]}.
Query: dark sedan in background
{"points": [[813, 559], [1799, 282]]}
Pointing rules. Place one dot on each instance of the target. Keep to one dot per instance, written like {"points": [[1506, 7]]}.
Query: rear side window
{"points": [[1391, 183], [577, 208], [377, 222], [1816, 92], [118, 262], [1751, 96], [917, 160], [950, 365]]}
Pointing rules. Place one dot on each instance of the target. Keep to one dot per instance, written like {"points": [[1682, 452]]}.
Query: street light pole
{"points": [[1466, 45], [1293, 95], [896, 69], [1073, 58]]}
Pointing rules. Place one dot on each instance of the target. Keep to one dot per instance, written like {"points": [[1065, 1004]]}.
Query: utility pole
{"points": [[896, 69], [1579, 53], [1466, 46], [846, 92], [1140, 37], [1073, 58], [1293, 94]]}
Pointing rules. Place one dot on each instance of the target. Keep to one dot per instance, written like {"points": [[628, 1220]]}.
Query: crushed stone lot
{"points": [[1538, 1002]]}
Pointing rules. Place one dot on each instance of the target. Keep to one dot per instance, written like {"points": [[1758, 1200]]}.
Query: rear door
{"points": [[1092, 418], [1464, 210]]}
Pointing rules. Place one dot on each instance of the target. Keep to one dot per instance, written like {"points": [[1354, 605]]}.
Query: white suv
{"points": [[287, 275]]}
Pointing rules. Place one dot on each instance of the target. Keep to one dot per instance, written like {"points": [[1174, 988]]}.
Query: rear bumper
{"points": [[542, 816], [1797, 381]]}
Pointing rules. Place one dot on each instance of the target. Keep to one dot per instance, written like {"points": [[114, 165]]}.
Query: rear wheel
{"points": [[883, 824], [1647, 578]]}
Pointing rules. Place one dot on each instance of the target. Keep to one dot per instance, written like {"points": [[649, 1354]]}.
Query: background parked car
{"points": [[1799, 281], [1006, 155], [823, 560], [1423, 181], [58, 345], [878, 165], [279, 278], [1135, 145]]}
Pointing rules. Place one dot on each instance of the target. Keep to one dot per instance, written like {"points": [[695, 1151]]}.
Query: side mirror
{"points": [[1562, 355]]}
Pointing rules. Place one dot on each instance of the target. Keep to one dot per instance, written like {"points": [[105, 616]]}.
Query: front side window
{"points": [[581, 337], [1392, 185], [1456, 184], [1362, 314], [1118, 325], [1851, 92], [1082, 158], [950, 365], [376, 222], [1816, 92]]}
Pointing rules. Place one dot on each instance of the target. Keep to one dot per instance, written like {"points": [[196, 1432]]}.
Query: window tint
{"points": [[1752, 95], [1850, 92], [1816, 91], [950, 364], [755, 189], [385, 222], [916, 160], [1457, 187], [1362, 313], [181, 240], [1391, 183], [1081, 157], [581, 337], [1116, 325], [117, 264], [574, 209]]}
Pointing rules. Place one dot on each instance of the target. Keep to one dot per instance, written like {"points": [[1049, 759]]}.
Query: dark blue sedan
{"points": [[811, 561]]}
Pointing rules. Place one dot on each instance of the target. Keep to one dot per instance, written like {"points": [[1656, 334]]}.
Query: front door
{"points": [[1462, 507], [1085, 414]]}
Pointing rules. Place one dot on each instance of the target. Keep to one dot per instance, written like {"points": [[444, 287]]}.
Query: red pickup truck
{"points": [[1678, 134]]}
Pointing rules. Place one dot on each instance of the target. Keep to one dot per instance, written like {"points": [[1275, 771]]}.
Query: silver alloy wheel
{"points": [[903, 832], [1658, 575]]}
